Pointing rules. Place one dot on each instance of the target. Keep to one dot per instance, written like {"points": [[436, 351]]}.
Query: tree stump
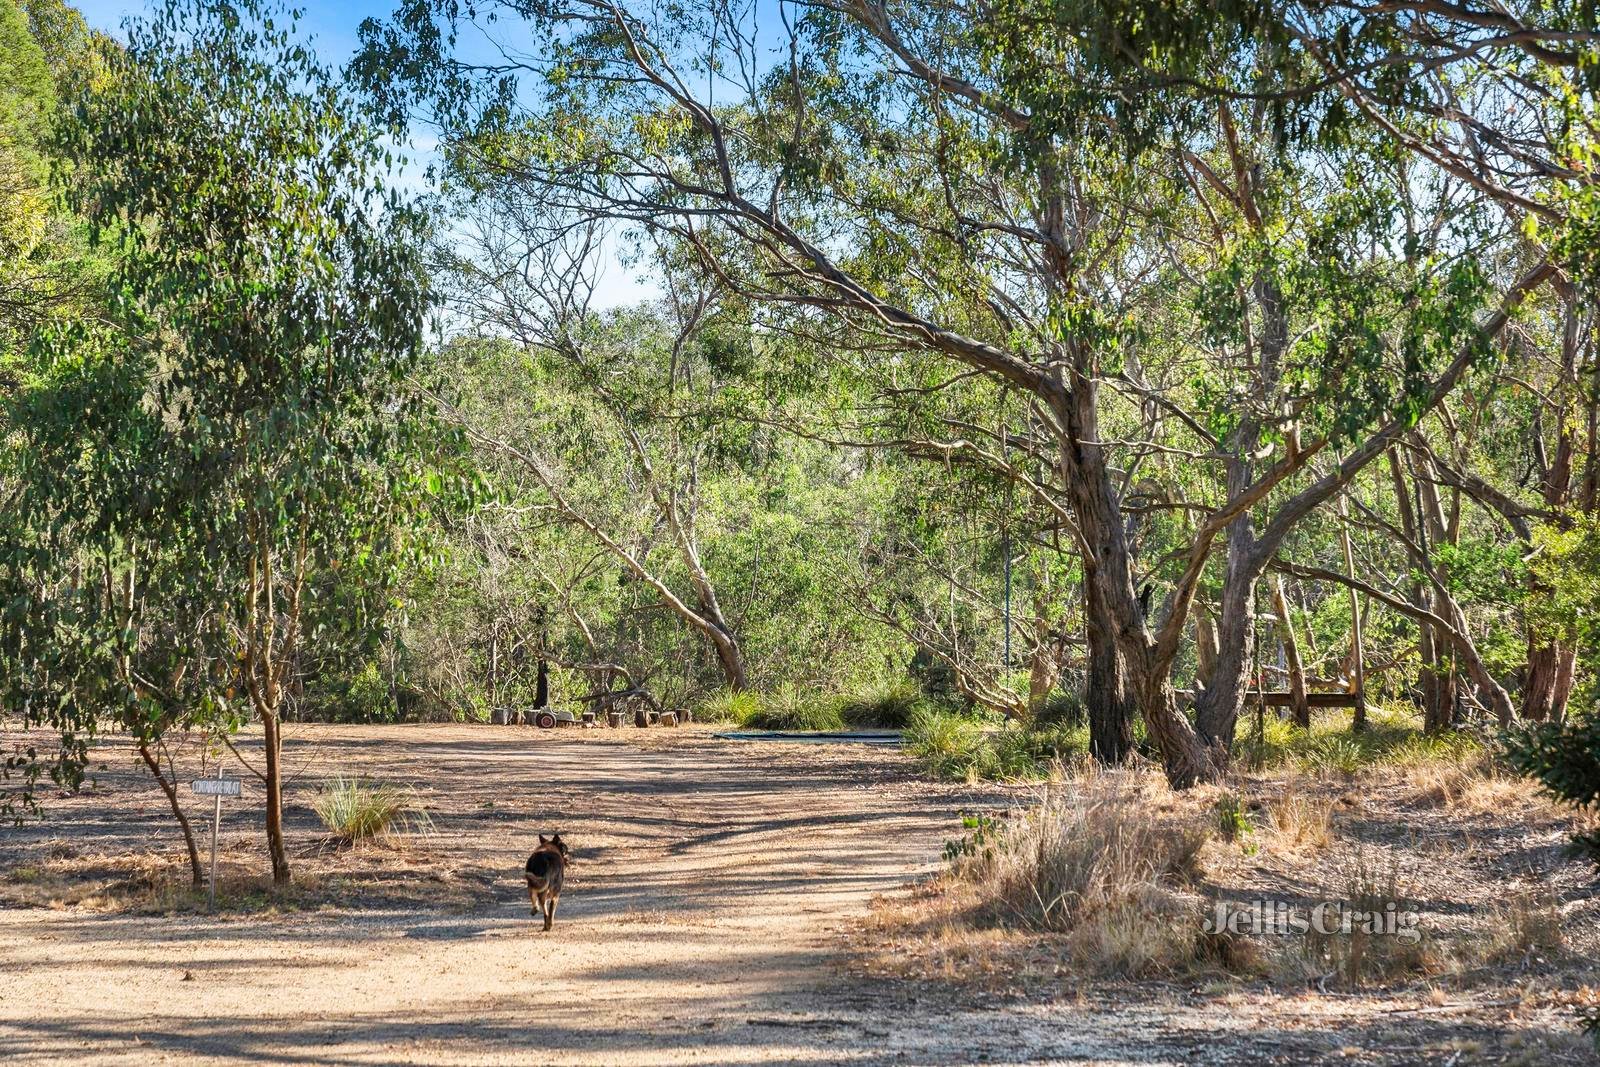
{"points": [[685, 715], [500, 716], [613, 719], [669, 719]]}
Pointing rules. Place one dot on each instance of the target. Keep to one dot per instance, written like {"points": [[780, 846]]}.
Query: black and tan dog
{"points": [[547, 869]]}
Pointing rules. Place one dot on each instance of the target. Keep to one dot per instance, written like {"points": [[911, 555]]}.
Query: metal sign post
{"points": [[216, 788]]}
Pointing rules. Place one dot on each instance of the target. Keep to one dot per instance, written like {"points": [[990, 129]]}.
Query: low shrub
{"points": [[355, 810], [1231, 818], [1564, 758]]}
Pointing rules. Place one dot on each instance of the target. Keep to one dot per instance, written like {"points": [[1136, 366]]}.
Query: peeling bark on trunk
{"points": [[1205, 642], [1108, 703], [1219, 704], [1549, 685], [1114, 604]]}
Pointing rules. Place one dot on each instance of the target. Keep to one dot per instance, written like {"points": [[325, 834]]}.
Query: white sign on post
{"points": [[217, 787]]}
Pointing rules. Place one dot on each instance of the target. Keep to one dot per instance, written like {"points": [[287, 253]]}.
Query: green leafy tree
{"points": [[260, 453]]}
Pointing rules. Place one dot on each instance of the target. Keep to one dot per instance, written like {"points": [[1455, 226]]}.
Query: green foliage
{"points": [[948, 745], [1331, 754], [367, 699], [1565, 567], [1232, 820], [230, 450], [1565, 759], [1393, 737], [978, 842], [959, 747], [356, 810]]}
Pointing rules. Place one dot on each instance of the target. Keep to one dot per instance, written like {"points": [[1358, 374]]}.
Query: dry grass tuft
{"points": [[1470, 782], [1526, 928], [1097, 862], [1301, 820], [1356, 948]]}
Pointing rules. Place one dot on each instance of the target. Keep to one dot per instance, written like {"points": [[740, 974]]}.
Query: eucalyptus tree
{"points": [[111, 615], [627, 397], [1500, 98], [938, 179], [270, 304]]}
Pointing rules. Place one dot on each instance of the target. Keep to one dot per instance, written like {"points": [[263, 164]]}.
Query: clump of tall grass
{"points": [[1393, 737], [728, 706], [887, 706], [1298, 819], [1094, 862], [791, 708], [356, 809], [946, 744], [963, 748], [1368, 939]]}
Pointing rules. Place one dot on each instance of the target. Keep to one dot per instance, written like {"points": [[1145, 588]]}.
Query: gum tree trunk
{"points": [[273, 736], [1109, 705], [1550, 663]]}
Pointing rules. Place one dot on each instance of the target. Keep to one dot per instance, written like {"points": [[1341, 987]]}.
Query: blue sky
{"points": [[333, 25]]}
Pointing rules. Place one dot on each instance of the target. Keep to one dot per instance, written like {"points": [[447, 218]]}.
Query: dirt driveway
{"points": [[711, 917], [703, 921]]}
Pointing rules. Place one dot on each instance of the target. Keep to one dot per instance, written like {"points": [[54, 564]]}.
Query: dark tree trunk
{"points": [[273, 737], [1549, 685], [1185, 759], [1106, 699], [196, 872], [731, 658], [1108, 567]]}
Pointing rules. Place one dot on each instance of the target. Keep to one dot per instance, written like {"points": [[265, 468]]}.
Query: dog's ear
{"points": [[541, 839], [556, 840]]}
